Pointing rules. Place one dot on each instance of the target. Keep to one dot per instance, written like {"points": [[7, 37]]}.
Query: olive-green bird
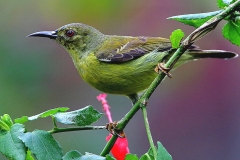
{"points": [[119, 64]]}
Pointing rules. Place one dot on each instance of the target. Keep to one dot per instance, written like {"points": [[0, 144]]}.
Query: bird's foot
{"points": [[112, 128], [161, 68]]}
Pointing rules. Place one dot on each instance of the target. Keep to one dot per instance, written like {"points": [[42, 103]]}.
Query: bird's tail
{"points": [[198, 53], [195, 53]]}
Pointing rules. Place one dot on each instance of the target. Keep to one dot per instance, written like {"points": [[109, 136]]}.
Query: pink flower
{"points": [[120, 148], [106, 107]]}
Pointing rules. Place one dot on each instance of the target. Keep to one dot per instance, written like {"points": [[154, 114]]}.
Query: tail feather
{"points": [[197, 53]]}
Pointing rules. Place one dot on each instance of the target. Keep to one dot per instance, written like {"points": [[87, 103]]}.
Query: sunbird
{"points": [[121, 65]]}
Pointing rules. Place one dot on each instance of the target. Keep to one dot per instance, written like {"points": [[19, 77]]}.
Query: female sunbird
{"points": [[120, 64]]}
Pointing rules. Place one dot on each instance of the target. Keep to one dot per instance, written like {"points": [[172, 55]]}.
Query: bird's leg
{"points": [[134, 98], [161, 68]]}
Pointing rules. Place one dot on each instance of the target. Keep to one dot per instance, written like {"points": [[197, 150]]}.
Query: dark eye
{"points": [[70, 33]]}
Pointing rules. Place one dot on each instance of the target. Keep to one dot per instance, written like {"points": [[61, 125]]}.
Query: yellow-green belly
{"points": [[123, 78]]}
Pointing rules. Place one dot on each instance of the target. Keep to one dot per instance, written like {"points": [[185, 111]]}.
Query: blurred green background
{"points": [[196, 114]]}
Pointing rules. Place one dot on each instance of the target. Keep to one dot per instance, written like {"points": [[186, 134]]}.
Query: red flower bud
{"points": [[120, 148]]}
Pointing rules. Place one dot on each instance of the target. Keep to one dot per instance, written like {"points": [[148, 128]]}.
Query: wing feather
{"points": [[121, 49]]}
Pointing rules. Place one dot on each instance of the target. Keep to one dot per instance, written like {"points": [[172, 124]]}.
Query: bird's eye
{"points": [[70, 33]]}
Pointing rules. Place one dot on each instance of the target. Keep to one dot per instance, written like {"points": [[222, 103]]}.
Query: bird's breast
{"points": [[123, 78]]}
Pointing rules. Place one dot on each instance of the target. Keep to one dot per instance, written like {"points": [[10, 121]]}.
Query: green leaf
{"points": [[162, 153], [80, 117], [29, 156], [195, 20], [231, 31], [149, 155], [131, 157], [176, 38], [4, 126], [48, 113], [7, 119], [72, 155], [21, 120], [146, 156], [224, 3], [42, 145], [75, 155], [5, 122], [108, 157], [10, 145], [90, 156], [150, 152]]}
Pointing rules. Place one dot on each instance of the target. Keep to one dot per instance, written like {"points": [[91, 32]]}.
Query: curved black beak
{"points": [[48, 34]]}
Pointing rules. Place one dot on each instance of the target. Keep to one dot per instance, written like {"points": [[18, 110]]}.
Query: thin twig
{"points": [[150, 139], [58, 130]]}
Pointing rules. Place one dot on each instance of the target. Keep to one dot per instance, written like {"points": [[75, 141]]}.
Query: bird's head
{"points": [[74, 37]]}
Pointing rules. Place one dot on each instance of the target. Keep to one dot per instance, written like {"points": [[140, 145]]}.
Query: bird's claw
{"points": [[161, 68], [112, 128]]}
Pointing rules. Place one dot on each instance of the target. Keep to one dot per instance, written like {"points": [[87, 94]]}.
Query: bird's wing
{"points": [[122, 49]]}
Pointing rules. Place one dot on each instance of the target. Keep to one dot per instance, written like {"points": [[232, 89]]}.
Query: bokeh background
{"points": [[196, 114]]}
